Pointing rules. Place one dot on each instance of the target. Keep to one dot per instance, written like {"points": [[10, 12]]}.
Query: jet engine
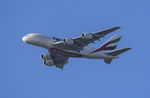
{"points": [[46, 56], [86, 36], [49, 62], [68, 41]]}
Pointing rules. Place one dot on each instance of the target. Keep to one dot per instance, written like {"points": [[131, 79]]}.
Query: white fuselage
{"points": [[47, 43]]}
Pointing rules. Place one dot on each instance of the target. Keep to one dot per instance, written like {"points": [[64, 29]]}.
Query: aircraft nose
{"points": [[25, 38]]}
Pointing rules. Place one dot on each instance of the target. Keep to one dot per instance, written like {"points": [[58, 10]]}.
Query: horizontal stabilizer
{"points": [[117, 52], [108, 61]]}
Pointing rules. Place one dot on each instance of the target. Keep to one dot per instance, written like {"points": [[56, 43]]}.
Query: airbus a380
{"points": [[61, 49]]}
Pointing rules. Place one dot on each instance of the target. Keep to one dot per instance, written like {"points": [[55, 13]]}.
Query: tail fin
{"points": [[110, 44], [115, 53]]}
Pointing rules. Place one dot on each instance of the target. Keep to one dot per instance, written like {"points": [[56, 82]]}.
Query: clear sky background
{"points": [[23, 75]]}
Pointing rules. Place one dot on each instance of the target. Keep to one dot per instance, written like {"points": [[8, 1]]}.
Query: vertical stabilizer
{"points": [[110, 44]]}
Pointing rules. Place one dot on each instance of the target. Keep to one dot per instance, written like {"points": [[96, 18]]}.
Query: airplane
{"points": [[61, 49]]}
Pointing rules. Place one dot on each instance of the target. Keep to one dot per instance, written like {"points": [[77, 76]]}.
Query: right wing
{"points": [[81, 42], [58, 59]]}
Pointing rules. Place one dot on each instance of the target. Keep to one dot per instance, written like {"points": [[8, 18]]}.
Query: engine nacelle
{"points": [[68, 41], [46, 56], [49, 62], [87, 36]]}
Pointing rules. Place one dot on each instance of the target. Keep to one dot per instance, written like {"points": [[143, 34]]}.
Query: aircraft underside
{"points": [[61, 49]]}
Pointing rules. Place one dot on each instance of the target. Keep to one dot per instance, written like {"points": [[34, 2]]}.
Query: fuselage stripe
{"points": [[66, 53]]}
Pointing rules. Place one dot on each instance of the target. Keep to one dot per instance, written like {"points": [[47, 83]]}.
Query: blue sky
{"points": [[23, 75]]}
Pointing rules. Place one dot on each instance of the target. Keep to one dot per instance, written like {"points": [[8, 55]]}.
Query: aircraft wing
{"points": [[58, 59], [81, 42]]}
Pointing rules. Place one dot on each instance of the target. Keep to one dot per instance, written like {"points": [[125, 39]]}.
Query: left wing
{"points": [[58, 59], [80, 42]]}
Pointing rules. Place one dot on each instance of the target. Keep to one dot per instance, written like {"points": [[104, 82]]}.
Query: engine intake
{"points": [[86, 36], [49, 62], [68, 41], [46, 56]]}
